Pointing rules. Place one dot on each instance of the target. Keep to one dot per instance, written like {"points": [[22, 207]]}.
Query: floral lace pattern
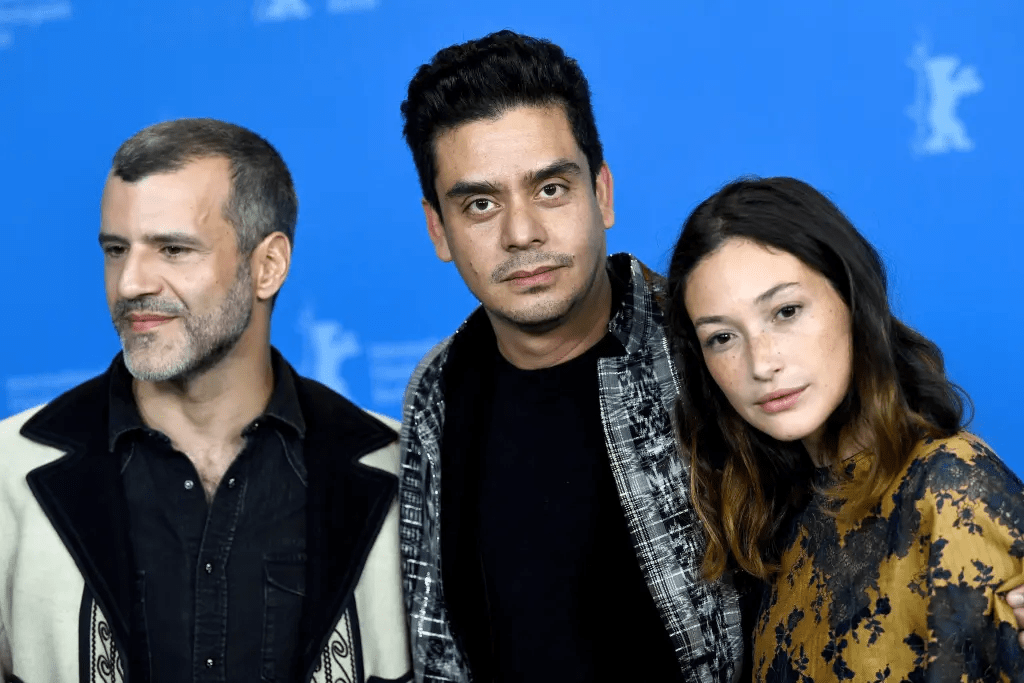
{"points": [[915, 590]]}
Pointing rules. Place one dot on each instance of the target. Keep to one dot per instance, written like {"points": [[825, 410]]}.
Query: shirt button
{"points": [[231, 483], [208, 568], [189, 484], [209, 663]]}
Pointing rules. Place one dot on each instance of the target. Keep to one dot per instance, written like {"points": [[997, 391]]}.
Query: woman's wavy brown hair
{"points": [[744, 483]]}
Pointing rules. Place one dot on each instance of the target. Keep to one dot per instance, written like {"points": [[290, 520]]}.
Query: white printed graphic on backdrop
{"points": [[281, 10], [339, 6], [29, 13], [391, 366], [287, 10], [941, 83], [328, 345]]}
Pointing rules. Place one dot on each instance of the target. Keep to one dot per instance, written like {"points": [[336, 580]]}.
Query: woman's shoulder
{"points": [[962, 463], [963, 446]]}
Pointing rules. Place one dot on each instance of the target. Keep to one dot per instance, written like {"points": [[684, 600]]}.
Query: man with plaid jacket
{"points": [[546, 528]]}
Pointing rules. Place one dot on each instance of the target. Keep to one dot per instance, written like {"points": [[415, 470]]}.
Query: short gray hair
{"points": [[262, 198]]}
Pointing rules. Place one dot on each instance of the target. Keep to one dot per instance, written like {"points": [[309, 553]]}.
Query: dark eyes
{"points": [[718, 339], [784, 313], [169, 250], [788, 311], [484, 205]]}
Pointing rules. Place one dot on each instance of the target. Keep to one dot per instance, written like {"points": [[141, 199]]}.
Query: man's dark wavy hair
{"points": [[483, 79], [744, 483]]}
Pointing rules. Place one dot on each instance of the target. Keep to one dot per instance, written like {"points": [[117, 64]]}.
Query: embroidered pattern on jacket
{"points": [[106, 665], [637, 393], [338, 661]]}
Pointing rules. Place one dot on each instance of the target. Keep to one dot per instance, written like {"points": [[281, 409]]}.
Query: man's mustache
{"points": [[527, 259], [125, 307]]}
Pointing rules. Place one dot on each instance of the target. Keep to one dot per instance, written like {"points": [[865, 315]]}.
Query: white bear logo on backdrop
{"points": [[941, 83], [281, 10], [339, 6], [327, 345], [288, 10], [22, 13]]}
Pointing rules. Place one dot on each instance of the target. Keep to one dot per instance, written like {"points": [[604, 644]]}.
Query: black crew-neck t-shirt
{"points": [[565, 599]]}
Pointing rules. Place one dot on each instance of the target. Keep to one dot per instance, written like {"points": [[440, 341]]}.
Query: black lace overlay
{"points": [[915, 590]]}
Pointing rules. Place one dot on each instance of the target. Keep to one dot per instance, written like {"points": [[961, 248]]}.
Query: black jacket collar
{"points": [[83, 496]]}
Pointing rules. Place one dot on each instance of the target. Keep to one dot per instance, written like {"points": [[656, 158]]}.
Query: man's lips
{"points": [[780, 400], [531, 277], [146, 322]]}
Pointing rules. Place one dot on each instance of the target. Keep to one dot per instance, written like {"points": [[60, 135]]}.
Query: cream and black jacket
{"points": [[66, 560]]}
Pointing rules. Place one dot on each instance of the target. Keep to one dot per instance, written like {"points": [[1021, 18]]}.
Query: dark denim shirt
{"points": [[219, 587]]}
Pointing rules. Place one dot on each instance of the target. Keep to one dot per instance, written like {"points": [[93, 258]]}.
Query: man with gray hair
{"points": [[199, 511]]}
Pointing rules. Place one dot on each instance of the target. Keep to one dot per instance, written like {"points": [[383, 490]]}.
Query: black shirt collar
{"points": [[282, 410]]}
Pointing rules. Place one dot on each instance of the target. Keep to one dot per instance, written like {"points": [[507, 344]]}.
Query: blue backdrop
{"points": [[906, 113]]}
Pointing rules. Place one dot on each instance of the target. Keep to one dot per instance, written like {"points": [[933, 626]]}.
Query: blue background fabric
{"points": [[906, 114]]}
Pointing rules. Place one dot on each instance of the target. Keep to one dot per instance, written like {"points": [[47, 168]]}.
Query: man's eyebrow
{"points": [[157, 238], [465, 188], [556, 168], [106, 238]]}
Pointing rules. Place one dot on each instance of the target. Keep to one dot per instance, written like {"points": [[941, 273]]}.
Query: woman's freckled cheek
{"points": [[723, 371]]}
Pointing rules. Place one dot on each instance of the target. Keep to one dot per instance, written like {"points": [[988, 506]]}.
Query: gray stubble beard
{"points": [[207, 338]]}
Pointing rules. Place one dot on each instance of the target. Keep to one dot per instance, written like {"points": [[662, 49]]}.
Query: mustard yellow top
{"points": [[913, 591]]}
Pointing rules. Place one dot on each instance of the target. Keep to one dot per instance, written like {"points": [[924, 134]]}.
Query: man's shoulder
{"points": [[320, 398], [388, 421], [388, 456], [10, 427], [325, 410], [458, 350], [41, 430], [639, 321], [19, 454], [428, 369]]}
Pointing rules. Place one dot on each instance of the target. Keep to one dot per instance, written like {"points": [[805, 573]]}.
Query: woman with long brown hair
{"points": [[827, 452]]}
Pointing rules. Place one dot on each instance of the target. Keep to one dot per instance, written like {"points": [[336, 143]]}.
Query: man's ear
{"points": [[604, 188], [271, 261], [437, 234]]}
